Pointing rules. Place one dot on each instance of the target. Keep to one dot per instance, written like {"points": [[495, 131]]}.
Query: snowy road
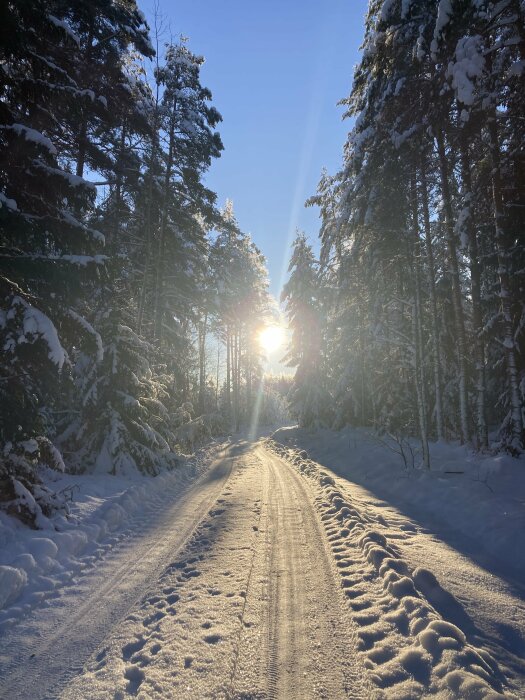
{"points": [[264, 580], [233, 594], [43, 652]]}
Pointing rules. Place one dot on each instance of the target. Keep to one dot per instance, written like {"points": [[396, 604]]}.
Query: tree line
{"points": [[419, 289], [116, 265]]}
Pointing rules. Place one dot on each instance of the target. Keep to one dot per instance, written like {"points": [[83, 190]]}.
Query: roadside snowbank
{"points": [[405, 619], [35, 564], [475, 496]]}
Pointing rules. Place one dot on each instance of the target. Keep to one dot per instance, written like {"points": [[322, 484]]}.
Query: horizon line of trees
{"points": [[418, 296]]}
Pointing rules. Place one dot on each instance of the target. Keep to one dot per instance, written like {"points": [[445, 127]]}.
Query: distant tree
{"points": [[301, 296]]}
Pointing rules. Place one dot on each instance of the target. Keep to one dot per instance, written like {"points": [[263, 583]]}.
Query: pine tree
{"points": [[188, 121], [48, 253], [301, 296], [408, 258]]}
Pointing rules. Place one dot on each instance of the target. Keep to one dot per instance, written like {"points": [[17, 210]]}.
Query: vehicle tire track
{"points": [[248, 607], [307, 639], [48, 649]]}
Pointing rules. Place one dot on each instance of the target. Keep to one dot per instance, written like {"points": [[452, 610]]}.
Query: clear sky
{"points": [[276, 70]]}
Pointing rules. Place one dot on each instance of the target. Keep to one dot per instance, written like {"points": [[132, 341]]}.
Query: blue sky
{"points": [[276, 70]]}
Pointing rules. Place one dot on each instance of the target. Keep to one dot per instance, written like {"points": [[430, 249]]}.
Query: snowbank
{"points": [[479, 497], [403, 635], [36, 564]]}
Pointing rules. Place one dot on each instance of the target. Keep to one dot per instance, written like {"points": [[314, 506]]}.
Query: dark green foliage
{"points": [[422, 249]]}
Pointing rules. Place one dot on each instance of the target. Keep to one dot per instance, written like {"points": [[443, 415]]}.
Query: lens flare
{"points": [[271, 338]]}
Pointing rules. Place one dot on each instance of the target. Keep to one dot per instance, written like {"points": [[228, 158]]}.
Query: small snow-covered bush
{"points": [[215, 422], [191, 434], [22, 493]]}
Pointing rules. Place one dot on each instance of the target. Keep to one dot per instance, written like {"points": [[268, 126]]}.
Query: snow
{"points": [[405, 8], [26, 498], [34, 136], [36, 564], [89, 329], [6, 202], [359, 583], [387, 9], [67, 29], [420, 48], [398, 139], [443, 563], [399, 86], [468, 64], [517, 68], [36, 323], [461, 228], [465, 491], [73, 180], [12, 582], [73, 221], [83, 260], [444, 15], [210, 624]]}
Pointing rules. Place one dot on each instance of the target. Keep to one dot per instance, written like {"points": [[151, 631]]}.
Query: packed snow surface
{"points": [[445, 544], [35, 564], [295, 567]]}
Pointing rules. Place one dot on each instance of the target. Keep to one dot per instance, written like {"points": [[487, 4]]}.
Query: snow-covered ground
{"points": [[452, 537], [276, 572], [104, 511]]}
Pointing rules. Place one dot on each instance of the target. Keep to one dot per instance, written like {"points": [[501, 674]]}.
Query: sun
{"points": [[271, 338]]}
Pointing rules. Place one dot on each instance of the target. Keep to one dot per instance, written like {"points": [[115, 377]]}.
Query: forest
{"points": [[418, 296], [132, 301], [216, 483], [116, 263]]}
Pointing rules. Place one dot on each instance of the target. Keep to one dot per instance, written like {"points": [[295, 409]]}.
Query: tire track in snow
{"points": [[181, 641], [309, 640], [250, 608], [48, 649], [408, 647], [249, 587]]}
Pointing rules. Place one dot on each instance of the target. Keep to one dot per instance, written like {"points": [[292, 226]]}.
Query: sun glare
{"points": [[271, 338]]}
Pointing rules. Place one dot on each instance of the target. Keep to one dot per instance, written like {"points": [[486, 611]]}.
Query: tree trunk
{"points": [[202, 364], [235, 377], [148, 233], [217, 376], [475, 288], [456, 288], [434, 326], [228, 371], [160, 262], [417, 329], [239, 361], [82, 134], [248, 382], [504, 255]]}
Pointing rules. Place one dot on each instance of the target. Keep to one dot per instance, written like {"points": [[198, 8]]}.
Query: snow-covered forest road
{"points": [[267, 578], [231, 593]]}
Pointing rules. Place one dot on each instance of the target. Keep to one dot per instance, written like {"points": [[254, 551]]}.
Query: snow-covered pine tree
{"points": [[308, 398], [121, 424], [427, 165], [187, 123], [48, 256]]}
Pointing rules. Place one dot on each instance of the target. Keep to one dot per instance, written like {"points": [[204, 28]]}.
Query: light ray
{"points": [[256, 411], [271, 338]]}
